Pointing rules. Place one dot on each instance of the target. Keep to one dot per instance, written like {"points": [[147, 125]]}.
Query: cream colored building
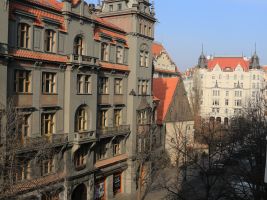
{"points": [[225, 85]]}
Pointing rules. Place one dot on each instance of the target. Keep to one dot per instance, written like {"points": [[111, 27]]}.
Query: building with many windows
{"points": [[224, 86], [80, 76]]}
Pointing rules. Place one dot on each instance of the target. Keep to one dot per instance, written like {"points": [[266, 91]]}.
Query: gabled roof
{"points": [[164, 89], [157, 48], [55, 4], [228, 62]]}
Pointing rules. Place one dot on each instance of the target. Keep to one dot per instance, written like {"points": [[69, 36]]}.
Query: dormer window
{"points": [[49, 40], [78, 46], [23, 35]]}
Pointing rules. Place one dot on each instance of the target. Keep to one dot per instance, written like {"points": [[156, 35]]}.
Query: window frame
{"points": [[103, 87], [49, 78], [78, 45], [118, 86], [50, 40], [24, 78], [23, 35], [49, 118]]}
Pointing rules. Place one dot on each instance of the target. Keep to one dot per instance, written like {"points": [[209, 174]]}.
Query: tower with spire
{"points": [[202, 60]]}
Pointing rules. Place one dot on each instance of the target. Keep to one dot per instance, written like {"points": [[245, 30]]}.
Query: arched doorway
{"points": [[79, 193]]}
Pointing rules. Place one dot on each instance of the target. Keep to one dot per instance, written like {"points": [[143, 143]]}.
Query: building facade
{"points": [[80, 77], [163, 66], [224, 85]]}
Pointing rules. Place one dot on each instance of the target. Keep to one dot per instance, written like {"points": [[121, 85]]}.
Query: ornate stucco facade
{"points": [[81, 76], [224, 85]]}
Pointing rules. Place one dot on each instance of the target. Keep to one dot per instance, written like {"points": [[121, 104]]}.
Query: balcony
{"points": [[83, 137], [112, 131], [43, 142], [89, 60]]}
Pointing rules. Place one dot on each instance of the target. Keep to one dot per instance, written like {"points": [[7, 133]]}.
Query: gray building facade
{"points": [[80, 78]]}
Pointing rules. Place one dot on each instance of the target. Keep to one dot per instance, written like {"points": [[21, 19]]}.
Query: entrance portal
{"points": [[80, 193]]}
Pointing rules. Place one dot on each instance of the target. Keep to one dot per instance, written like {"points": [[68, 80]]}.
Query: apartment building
{"points": [[80, 77], [224, 85]]}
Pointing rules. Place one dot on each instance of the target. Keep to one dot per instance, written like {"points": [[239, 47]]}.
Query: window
{"points": [[49, 82], [142, 59], [119, 6], [22, 81], [227, 76], [235, 77], [238, 93], [140, 28], [119, 55], [48, 123], [78, 46], [46, 166], [117, 117], [146, 59], [101, 154], [110, 8], [143, 117], [104, 52], [118, 86], [22, 170], [25, 127], [216, 93], [143, 87], [23, 35], [145, 29], [215, 102], [116, 148], [49, 40], [149, 32], [84, 84], [226, 102], [81, 120], [80, 158], [103, 85], [238, 102], [102, 118]]}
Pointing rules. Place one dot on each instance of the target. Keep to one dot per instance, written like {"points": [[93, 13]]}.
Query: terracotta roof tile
{"points": [[157, 48], [167, 71], [21, 53], [55, 4], [39, 14], [228, 62], [107, 65], [164, 88]]}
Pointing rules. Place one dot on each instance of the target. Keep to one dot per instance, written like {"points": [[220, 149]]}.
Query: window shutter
{"points": [[112, 54], [125, 56]]}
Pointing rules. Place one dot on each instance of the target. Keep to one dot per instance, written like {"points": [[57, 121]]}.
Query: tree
{"points": [[21, 156]]}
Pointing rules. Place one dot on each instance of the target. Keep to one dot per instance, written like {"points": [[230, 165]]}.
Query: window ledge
{"points": [[43, 93], [84, 94], [23, 93]]}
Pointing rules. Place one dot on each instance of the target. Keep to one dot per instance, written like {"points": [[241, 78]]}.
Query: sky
{"points": [[224, 27]]}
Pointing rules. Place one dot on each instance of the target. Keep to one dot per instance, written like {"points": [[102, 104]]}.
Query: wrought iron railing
{"points": [[114, 130]]}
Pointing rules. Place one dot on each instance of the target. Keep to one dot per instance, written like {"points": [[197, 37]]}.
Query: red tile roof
{"points": [[167, 71], [228, 62], [38, 13], [111, 66], [164, 89], [21, 53], [157, 48], [55, 4]]}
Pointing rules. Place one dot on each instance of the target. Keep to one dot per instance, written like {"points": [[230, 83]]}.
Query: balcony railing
{"points": [[83, 59], [44, 141], [83, 136], [122, 129]]}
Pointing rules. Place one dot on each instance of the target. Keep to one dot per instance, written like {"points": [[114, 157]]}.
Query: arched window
{"points": [[81, 122], [49, 40], [23, 35], [78, 46]]}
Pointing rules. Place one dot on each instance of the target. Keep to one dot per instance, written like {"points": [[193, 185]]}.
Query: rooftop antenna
{"points": [[202, 48]]}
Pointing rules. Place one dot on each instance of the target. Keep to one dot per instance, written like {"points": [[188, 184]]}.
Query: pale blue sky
{"points": [[225, 27]]}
